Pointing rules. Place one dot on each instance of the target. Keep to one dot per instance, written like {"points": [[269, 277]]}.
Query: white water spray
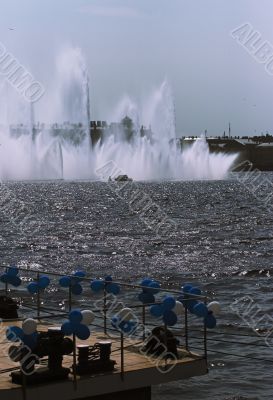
{"points": [[62, 149]]}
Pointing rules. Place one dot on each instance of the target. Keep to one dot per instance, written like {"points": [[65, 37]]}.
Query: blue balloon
{"points": [[97, 285], [30, 340], [14, 280], [113, 288], [5, 278], [146, 298], [156, 310], [146, 282], [168, 303], [32, 287], [75, 316], [14, 333], [200, 310], [190, 304], [210, 321], [126, 326], [12, 271], [169, 318], [186, 288], [67, 328], [82, 332], [115, 321], [76, 289], [43, 282], [195, 291], [65, 281], [108, 278], [153, 287]]}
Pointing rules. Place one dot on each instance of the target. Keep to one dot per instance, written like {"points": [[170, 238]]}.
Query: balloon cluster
{"points": [[124, 321], [27, 334], [73, 282], [97, 285], [190, 301], [169, 310], [11, 277], [40, 284], [77, 324], [149, 289]]}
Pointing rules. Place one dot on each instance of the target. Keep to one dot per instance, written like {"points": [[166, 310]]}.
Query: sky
{"points": [[131, 46]]}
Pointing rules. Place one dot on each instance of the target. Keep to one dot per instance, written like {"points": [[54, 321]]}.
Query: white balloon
{"points": [[126, 314], [29, 326], [215, 307], [87, 317], [179, 308]]}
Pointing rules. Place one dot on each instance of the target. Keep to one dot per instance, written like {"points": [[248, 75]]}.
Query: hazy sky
{"points": [[132, 45]]}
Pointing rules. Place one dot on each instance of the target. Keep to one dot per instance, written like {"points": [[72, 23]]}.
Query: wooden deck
{"points": [[139, 371]]}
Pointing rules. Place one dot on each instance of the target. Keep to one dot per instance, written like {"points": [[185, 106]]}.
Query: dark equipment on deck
{"points": [[8, 308], [52, 344], [161, 340], [94, 359]]}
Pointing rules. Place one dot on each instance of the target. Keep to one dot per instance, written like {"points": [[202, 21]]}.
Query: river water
{"points": [[223, 242]]}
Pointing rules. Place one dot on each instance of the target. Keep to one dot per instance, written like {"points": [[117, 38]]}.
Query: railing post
{"points": [[122, 355], [70, 298], [186, 328], [38, 296], [104, 310], [143, 321], [6, 284]]}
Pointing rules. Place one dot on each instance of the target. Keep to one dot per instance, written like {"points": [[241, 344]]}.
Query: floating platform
{"points": [[139, 373]]}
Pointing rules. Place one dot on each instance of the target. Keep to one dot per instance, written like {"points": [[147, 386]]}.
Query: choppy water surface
{"points": [[223, 242]]}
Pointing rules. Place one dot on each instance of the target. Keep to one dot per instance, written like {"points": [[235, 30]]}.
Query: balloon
{"points": [[113, 288], [146, 298], [168, 303], [30, 340], [186, 288], [156, 310], [87, 317], [200, 310], [145, 282], [154, 287], [75, 316], [190, 304], [126, 314], [4, 278], [195, 291], [65, 281], [108, 278], [97, 285], [82, 332], [179, 308], [15, 280], [115, 321], [12, 271], [76, 289], [125, 326], [15, 353], [32, 287], [14, 333], [67, 328], [210, 321], [29, 326], [169, 318], [43, 282], [215, 307]]}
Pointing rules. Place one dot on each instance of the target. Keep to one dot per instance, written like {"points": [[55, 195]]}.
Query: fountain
{"points": [[62, 149]]}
